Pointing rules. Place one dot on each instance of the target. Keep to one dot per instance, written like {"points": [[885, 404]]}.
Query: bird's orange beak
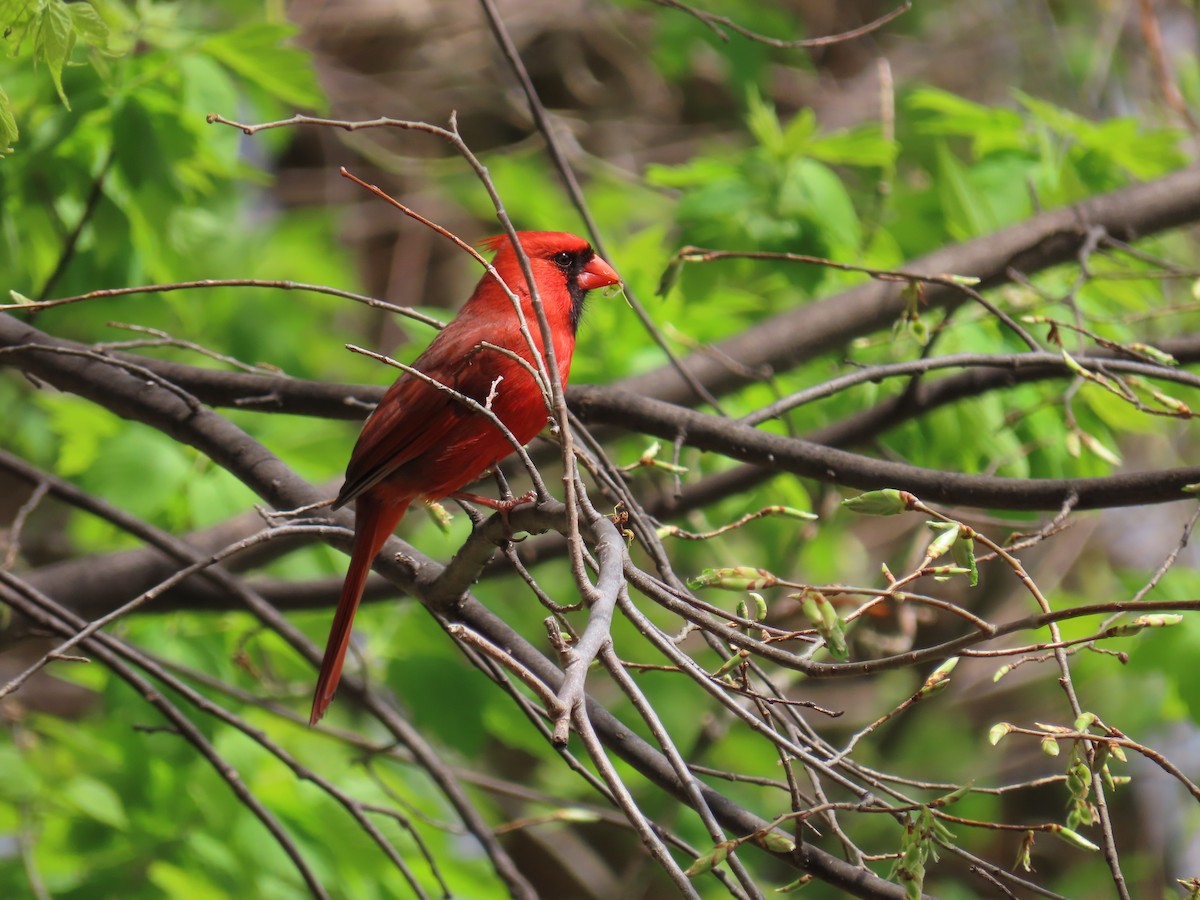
{"points": [[597, 274]]}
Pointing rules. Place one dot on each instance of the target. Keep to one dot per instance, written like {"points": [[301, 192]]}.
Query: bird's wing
{"points": [[415, 417]]}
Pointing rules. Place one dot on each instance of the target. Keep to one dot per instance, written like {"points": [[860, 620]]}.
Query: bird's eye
{"points": [[562, 259]]}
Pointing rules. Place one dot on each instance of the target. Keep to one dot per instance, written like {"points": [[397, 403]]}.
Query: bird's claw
{"points": [[504, 507]]}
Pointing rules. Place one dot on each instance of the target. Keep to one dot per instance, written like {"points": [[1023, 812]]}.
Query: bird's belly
{"points": [[474, 448]]}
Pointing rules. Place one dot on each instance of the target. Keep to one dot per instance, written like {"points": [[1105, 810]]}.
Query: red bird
{"points": [[424, 443]]}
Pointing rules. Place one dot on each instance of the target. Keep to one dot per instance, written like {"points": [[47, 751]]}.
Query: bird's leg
{"points": [[504, 507]]}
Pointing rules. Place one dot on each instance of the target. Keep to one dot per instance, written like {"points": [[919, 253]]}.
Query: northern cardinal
{"points": [[424, 443]]}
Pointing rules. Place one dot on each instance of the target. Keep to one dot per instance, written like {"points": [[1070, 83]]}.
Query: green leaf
{"points": [[801, 131], [53, 41], [139, 131], [698, 172], [257, 53], [763, 122], [863, 146], [95, 799], [811, 190], [175, 881], [991, 129], [89, 27], [80, 427], [8, 125], [965, 207]]}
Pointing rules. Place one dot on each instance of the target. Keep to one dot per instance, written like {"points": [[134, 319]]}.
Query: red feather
{"points": [[424, 443]]}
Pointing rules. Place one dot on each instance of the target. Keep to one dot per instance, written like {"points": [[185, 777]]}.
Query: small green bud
{"points": [[835, 642], [1107, 778], [795, 885], [1174, 404], [440, 515], [999, 731], [711, 860], [585, 816], [945, 573], [1159, 356], [889, 502], [1072, 444], [1092, 443], [790, 512], [941, 544], [1079, 781], [775, 842], [824, 618], [735, 578], [1158, 620], [919, 330], [733, 662], [938, 679], [809, 605], [1075, 366], [1024, 853], [1082, 814], [963, 552], [912, 294], [953, 796], [1073, 838]]}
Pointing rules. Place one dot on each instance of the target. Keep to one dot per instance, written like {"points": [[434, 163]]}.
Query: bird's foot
{"points": [[504, 507]]}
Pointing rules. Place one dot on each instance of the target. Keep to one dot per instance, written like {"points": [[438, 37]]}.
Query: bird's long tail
{"points": [[374, 523]]}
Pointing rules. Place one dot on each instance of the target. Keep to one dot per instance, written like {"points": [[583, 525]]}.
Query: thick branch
{"points": [[827, 464]]}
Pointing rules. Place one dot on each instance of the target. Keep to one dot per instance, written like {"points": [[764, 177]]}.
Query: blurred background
{"points": [[950, 122]]}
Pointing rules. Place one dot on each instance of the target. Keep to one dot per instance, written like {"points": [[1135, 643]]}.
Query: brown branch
{"points": [[834, 466], [47, 613], [717, 24], [1049, 238], [1152, 35], [207, 283], [118, 390]]}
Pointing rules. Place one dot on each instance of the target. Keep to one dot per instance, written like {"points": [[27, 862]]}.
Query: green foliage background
{"points": [[119, 93]]}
